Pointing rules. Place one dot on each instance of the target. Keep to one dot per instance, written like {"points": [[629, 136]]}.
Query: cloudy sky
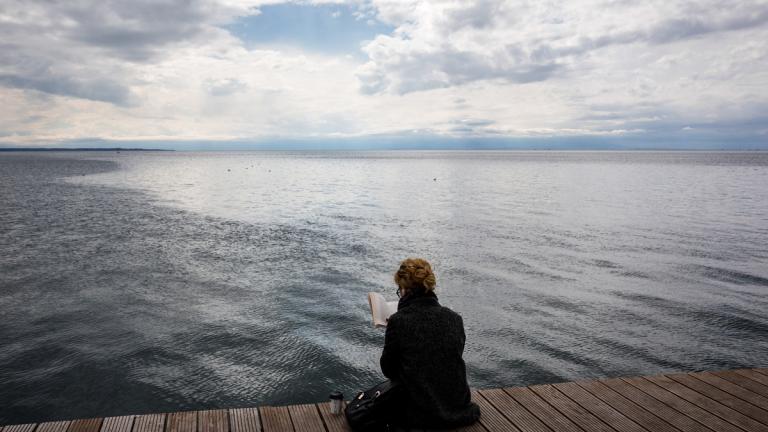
{"points": [[665, 72]]}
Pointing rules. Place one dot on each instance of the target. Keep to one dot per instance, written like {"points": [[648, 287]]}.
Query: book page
{"points": [[380, 309]]}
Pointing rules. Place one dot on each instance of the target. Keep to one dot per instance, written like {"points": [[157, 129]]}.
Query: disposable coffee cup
{"points": [[336, 398]]}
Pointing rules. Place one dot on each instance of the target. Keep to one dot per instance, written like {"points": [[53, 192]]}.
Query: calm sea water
{"points": [[147, 282]]}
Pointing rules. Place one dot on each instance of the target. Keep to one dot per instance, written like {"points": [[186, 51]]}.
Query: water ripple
{"points": [[139, 283]]}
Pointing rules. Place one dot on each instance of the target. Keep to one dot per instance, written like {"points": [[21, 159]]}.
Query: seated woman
{"points": [[423, 346]]}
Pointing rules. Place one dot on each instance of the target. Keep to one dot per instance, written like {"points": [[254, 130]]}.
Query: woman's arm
{"points": [[390, 356]]}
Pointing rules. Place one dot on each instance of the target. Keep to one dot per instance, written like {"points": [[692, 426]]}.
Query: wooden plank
{"points": [[694, 396], [625, 406], [600, 409], [149, 423], [723, 397], [728, 401], [706, 403], [513, 411], [541, 409], [306, 418], [651, 404], [275, 419], [570, 409], [705, 418], [244, 420], [490, 417], [741, 391], [182, 422], [55, 426], [743, 381], [333, 422], [85, 425], [493, 420], [28, 427], [117, 424], [212, 421], [754, 376]]}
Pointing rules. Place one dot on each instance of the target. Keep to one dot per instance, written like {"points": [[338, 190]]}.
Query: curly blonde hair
{"points": [[415, 275]]}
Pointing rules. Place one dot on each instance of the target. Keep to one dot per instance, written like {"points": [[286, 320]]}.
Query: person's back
{"points": [[423, 350]]}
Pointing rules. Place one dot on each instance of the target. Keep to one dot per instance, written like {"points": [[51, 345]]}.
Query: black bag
{"points": [[368, 410]]}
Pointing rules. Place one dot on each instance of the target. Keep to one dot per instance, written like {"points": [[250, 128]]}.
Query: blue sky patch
{"points": [[328, 28]]}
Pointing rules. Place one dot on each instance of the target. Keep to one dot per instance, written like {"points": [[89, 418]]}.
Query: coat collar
{"points": [[424, 300]]}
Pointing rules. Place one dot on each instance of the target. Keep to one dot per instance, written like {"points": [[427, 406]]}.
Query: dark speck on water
{"points": [[150, 283]]}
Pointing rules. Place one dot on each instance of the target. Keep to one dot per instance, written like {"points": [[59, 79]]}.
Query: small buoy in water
{"points": [[227, 169], [434, 179]]}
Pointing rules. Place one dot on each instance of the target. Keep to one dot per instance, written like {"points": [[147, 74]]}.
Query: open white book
{"points": [[380, 309]]}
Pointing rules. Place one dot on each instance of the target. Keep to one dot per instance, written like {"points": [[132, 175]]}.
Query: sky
{"points": [[486, 73]]}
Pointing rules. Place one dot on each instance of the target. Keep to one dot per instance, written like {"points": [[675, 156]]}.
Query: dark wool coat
{"points": [[422, 351]]}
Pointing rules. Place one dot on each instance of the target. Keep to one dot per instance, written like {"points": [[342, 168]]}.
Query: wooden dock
{"points": [[724, 401]]}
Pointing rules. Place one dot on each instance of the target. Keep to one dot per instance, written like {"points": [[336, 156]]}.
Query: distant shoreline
{"points": [[84, 149], [421, 149]]}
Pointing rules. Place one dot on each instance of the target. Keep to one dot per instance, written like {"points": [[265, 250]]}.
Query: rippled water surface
{"points": [[146, 282]]}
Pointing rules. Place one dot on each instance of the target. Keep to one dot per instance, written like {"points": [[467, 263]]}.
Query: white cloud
{"points": [[448, 43], [169, 70], [94, 50], [656, 63]]}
